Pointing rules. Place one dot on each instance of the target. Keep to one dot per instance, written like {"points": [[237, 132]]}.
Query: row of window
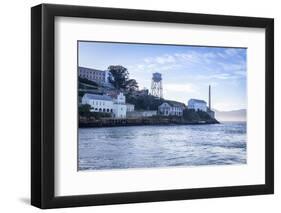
{"points": [[172, 109], [99, 103], [102, 110], [166, 112], [92, 73], [91, 77]]}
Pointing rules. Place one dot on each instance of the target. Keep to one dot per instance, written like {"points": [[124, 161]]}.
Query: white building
{"points": [[104, 103], [130, 107], [119, 106], [98, 103], [171, 109], [141, 114], [197, 105]]}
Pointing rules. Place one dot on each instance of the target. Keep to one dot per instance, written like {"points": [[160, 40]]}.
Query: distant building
{"points": [[104, 103], [130, 107], [197, 105], [95, 75], [140, 114], [171, 109]]}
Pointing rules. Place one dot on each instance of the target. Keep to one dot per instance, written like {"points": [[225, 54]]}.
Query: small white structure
{"points": [[197, 105], [130, 107], [171, 109], [141, 114], [104, 103]]}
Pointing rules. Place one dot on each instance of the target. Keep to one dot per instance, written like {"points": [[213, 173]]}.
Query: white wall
{"points": [[15, 131]]}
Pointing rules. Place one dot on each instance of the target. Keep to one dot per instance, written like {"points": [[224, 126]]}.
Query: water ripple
{"points": [[162, 146]]}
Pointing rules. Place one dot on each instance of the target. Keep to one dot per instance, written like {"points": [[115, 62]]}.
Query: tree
{"points": [[131, 85], [144, 102], [119, 76], [84, 110]]}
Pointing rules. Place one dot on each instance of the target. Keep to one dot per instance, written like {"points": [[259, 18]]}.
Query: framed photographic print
{"points": [[139, 106]]}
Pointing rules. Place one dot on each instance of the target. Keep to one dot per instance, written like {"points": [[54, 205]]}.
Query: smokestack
{"points": [[210, 97]]}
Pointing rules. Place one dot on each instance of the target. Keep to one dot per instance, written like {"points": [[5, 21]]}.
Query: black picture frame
{"points": [[43, 102]]}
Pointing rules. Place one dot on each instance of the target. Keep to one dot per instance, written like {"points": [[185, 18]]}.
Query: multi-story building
{"points": [[197, 105], [95, 75], [171, 109], [104, 103], [98, 103]]}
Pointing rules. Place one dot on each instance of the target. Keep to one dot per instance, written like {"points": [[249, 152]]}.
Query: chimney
{"points": [[210, 97]]}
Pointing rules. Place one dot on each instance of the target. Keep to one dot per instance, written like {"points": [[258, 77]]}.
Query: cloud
{"points": [[216, 76], [158, 63], [190, 88], [233, 51], [164, 59], [187, 57], [206, 65]]}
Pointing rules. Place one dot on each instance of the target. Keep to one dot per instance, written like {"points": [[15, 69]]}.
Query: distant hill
{"points": [[234, 115]]}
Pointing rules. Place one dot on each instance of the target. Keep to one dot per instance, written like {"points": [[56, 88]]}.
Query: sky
{"points": [[187, 71]]}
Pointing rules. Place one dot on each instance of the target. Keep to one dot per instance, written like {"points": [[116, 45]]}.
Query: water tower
{"points": [[156, 85]]}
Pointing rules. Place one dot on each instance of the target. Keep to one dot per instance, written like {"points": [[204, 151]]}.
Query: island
{"points": [[110, 98]]}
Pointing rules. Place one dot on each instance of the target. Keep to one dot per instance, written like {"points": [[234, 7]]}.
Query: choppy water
{"points": [[162, 146]]}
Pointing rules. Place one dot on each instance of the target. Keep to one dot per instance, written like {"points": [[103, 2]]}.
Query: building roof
{"points": [[113, 93], [198, 101], [98, 97], [176, 104], [173, 104], [90, 69], [164, 103]]}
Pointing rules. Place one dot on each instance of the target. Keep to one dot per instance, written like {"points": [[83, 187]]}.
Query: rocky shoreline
{"points": [[110, 122]]}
